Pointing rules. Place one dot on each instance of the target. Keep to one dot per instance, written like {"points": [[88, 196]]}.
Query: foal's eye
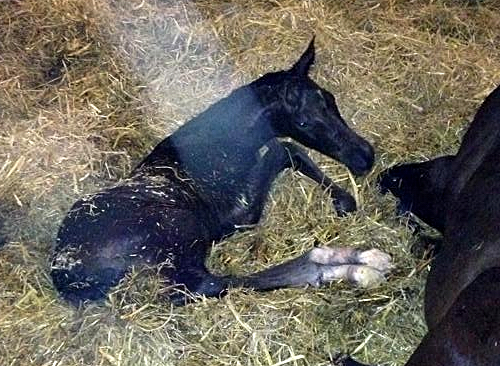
{"points": [[302, 123]]}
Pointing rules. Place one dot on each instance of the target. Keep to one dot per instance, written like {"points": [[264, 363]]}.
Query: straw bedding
{"points": [[88, 87]]}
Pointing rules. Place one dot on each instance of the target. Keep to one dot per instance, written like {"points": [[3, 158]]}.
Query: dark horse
{"points": [[209, 179], [460, 196]]}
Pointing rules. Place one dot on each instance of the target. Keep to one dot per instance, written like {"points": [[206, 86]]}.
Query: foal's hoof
{"points": [[364, 269], [376, 259], [344, 204], [366, 276]]}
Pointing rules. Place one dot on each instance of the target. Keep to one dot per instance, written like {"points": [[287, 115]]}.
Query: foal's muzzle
{"points": [[361, 160]]}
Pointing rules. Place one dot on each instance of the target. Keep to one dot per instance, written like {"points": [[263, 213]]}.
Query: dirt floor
{"points": [[88, 87]]}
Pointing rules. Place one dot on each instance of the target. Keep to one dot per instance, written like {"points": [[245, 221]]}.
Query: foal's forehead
{"points": [[313, 90]]}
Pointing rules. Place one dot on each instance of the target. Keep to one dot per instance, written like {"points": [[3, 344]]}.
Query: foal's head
{"points": [[299, 108]]}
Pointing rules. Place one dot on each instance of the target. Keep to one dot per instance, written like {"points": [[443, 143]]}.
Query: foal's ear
{"points": [[301, 67]]}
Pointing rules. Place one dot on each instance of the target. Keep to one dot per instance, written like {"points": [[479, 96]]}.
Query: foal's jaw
{"points": [[344, 145], [312, 118]]}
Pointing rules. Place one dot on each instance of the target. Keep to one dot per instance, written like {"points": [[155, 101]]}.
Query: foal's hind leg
{"points": [[321, 265], [300, 161], [314, 268], [318, 266]]}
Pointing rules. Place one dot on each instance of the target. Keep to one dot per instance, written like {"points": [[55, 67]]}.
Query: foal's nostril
{"points": [[360, 165]]}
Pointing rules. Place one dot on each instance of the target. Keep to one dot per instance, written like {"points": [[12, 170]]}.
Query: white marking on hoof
{"points": [[365, 276], [377, 259], [360, 275], [327, 255], [364, 269]]}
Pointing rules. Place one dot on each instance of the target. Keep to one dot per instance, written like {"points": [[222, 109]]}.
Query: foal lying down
{"points": [[209, 179]]}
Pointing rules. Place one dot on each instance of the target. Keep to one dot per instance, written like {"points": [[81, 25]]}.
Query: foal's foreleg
{"points": [[300, 161], [278, 156], [249, 205]]}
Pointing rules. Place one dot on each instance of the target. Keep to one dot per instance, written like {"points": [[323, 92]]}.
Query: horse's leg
{"points": [[276, 157], [300, 161], [316, 267], [319, 266], [248, 206], [194, 282]]}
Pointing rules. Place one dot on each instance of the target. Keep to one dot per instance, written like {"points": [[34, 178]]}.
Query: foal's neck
{"points": [[240, 119], [238, 124]]}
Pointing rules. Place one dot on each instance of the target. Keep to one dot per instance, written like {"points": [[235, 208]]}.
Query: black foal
{"points": [[210, 178]]}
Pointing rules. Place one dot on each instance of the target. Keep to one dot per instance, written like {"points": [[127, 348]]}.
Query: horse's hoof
{"points": [[361, 268], [344, 204], [377, 259], [367, 277]]}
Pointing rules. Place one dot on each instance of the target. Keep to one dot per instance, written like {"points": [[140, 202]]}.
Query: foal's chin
{"points": [[358, 162], [359, 167]]}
